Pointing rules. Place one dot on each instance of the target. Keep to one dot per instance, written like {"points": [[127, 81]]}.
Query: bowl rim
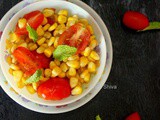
{"points": [[50, 104]]}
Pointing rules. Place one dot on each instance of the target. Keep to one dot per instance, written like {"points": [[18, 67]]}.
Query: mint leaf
{"points": [[62, 52], [34, 78], [98, 117], [152, 26], [32, 33]]}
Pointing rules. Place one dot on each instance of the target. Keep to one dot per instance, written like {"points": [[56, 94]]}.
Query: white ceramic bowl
{"points": [[73, 9]]}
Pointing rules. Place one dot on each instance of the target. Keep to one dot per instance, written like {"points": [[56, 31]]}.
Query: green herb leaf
{"points": [[32, 33], [34, 78], [152, 26], [62, 52], [98, 117]]}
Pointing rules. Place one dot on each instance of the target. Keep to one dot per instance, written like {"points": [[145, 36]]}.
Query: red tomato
{"points": [[34, 19], [26, 60], [29, 61], [76, 36], [54, 89], [50, 21], [135, 20], [42, 59], [133, 116]]}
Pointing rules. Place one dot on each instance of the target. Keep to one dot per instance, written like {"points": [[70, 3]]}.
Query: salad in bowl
{"points": [[52, 53]]}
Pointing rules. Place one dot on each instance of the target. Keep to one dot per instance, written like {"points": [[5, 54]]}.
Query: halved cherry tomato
{"points": [[50, 21], [29, 61], [54, 89], [34, 19], [42, 59], [133, 116], [77, 36]]}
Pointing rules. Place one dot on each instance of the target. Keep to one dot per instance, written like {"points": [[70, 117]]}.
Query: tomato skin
{"points": [[133, 116], [71, 37], [135, 20], [54, 89], [42, 59], [26, 60], [29, 61]]}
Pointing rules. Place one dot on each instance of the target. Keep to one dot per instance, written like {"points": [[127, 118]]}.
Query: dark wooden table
{"points": [[135, 71]]}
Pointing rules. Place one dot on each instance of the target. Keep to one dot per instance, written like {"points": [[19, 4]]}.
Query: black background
{"points": [[135, 70]]}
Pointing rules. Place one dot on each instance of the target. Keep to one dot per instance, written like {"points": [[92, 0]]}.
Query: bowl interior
{"points": [[73, 10]]}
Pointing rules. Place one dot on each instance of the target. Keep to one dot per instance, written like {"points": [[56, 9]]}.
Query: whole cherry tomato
{"points": [[135, 20], [133, 116]]}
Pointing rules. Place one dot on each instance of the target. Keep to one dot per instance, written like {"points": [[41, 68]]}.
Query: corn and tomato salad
{"points": [[52, 30]]}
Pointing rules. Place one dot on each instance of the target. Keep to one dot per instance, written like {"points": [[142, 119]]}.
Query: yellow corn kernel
{"points": [[30, 44], [87, 78], [97, 63], [73, 64], [40, 31], [13, 48], [93, 44], [53, 27], [84, 73], [14, 59], [61, 26], [40, 49], [91, 67], [61, 31], [64, 67], [51, 41], [43, 79], [74, 57], [94, 55], [56, 71], [41, 41], [44, 21], [8, 44], [73, 19], [9, 60], [30, 89], [27, 40], [33, 47], [56, 32], [17, 75], [77, 90], [10, 71], [47, 73], [75, 16], [81, 80], [73, 82], [63, 12], [48, 52], [35, 85], [45, 28], [72, 72], [48, 12], [52, 65], [93, 37], [22, 23], [23, 79], [87, 51], [14, 67], [62, 75], [89, 27], [57, 62], [56, 42], [44, 45], [55, 17], [23, 45], [20, 84], [14, 38], [62, 19], [91, 59], [70, 23], [84, 21], [47, 35], [83, 61]]}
